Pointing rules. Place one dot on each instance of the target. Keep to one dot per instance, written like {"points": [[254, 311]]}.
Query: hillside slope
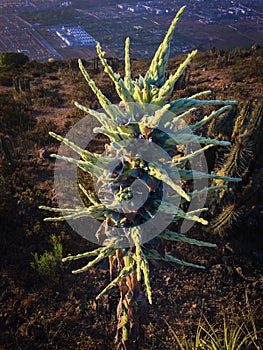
{"points": [[56, 310]]}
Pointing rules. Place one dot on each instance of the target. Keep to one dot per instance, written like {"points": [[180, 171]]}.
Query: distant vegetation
{"points": [[13, 58], [50, 16]]}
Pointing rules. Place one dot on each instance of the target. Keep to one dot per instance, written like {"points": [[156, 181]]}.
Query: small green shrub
{"points": [[49, 265]]}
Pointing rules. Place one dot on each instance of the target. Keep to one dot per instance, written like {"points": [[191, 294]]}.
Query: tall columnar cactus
{"points": [[145, 117], [21, 85], [244, 159]]}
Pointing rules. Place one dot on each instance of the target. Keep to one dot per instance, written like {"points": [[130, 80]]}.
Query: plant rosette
{"points": [[151, 174]]}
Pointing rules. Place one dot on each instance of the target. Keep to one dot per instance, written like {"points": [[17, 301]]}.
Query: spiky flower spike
{"points": [[146, 116]]}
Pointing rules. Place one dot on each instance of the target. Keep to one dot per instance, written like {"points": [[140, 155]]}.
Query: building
{"points": [[75, 36]]}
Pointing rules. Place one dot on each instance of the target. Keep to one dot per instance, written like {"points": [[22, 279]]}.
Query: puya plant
{"points": [[146, 119]]}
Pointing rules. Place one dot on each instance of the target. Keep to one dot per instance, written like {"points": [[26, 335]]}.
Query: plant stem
{"points": [[129, 310]]}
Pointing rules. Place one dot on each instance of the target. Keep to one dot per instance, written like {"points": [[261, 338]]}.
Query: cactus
{"points": [[147, 116], [242, 120], [225, 219], [7, 149], [244, 160], [96, 65], [21, 85], [16, 84], [25, 85], [254, 129], [223, 127], [73, 64]]}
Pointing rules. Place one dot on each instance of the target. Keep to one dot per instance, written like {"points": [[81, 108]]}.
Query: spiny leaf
{"points": [[206, 119], [189, 175], [84, 255], [120, 87], [167, 88], [153, 254], [86, 155], [180, 161], [156, 171], [84, 165], [174, 236], [102, 99], [127, 79], [90, 197], [168, 207], [173, 122], [109, 108], [182, 104], [123, 273], [157, 68], [102, 254]]}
